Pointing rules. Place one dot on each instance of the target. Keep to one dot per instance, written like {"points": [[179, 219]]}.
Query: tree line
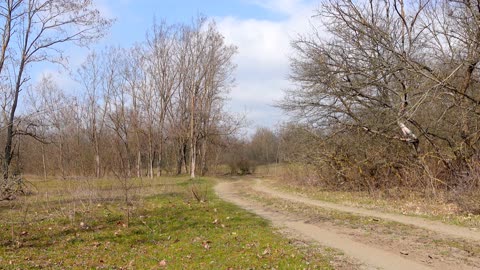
{"points": [[157, 107]]}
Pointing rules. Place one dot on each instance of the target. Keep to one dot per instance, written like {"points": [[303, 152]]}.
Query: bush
{"points": [[242, 167], [12, 187], [466, 191]]}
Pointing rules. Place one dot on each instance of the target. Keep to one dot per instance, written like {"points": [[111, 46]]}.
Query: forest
{"points": [[142, 155], [385, 99], [138, 112]]}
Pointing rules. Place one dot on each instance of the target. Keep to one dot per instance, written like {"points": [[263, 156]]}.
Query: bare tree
{"points": [[55, 113], [162, 46], [91, 77], [8, 15], [206, 74], [118, 107], [404, 71], [149, 107], [40, 28], [136, 83]]}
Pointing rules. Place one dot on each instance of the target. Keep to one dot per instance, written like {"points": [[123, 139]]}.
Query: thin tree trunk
{"points": [[18, 83], [129, 164], [62, 161], [179, 163], [151, 156], [159, 160], [465, 129], [152, 165], [7, 34], [139, 163], [193, 158], [8, 145], [160, 150], [97, 165], [185, 158], [44, 163], [203, 152], [97, 157], [193, 143]]}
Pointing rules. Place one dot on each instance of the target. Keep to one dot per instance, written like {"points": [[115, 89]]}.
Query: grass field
{"points": [[87, 224]]}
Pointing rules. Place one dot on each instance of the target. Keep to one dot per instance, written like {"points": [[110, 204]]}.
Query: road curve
{"points": [[371, 257]]}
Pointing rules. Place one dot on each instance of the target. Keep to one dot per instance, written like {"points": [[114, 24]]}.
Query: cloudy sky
{"points": [[261, 29]]}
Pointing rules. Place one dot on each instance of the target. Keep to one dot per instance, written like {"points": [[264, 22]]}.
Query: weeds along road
{"points": [[436, 226], [374, 239]]}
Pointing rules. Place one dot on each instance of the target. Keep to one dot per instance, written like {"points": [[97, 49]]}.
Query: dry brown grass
{"points": [[397, 200]]}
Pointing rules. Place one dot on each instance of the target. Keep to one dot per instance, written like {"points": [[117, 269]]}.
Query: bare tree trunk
{"points": [[97, 156], [180, 162], [465, 129], [185, 157], [97, 166], [151, 156], [159, 160], [62, 161], [152, 165], [136, 126], [193, 141], [193, 158], [44, 163], [203, 153], [7, 30], [128, 159], [160, 151], [8, 145], [139, 163]]}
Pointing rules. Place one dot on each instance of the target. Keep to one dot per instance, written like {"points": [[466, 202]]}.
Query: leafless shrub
{"points": [[384, 96], [300, 174], [13, 186], [467, 189]]}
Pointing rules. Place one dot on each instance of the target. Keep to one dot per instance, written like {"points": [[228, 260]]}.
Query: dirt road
{"points": [[370, 254], [454, 231]]}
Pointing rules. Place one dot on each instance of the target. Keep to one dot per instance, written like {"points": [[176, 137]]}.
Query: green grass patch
{"points": [[169, 229]]}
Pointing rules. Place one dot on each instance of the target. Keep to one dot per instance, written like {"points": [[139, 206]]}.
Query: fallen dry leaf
{"points": [[206, 244]]}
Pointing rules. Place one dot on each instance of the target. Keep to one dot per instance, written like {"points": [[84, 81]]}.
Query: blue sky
{"points": [[134, 17], [261, 29]]}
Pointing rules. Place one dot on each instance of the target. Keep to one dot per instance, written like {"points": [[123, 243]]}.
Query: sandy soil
{"points": [[436, 226], [369, 250]]}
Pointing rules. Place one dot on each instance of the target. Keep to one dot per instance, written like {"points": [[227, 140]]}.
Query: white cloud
{"points": [[281, 6], [263, 58], [61, 77]]}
